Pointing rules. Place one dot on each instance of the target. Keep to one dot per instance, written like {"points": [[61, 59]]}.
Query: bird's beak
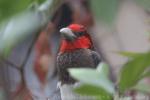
{"points": [[67, 34]]}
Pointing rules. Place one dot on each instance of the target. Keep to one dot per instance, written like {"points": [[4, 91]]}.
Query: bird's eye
{"points": [[79, 33]]}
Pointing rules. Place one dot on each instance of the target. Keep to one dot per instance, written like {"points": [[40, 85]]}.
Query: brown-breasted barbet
{"points": [[76, 51]]}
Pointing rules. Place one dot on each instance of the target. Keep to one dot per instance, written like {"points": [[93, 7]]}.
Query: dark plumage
{"points": [[84, 58]]}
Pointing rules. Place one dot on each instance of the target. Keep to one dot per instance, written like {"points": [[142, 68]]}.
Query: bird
{"points": [[76, 51]]}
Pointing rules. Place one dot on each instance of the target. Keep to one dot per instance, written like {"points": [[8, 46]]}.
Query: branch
{"points": [[25, 24], [10, 63], [29, 51]]}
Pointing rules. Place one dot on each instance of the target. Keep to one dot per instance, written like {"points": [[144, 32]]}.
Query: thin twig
{"points": [[29, 51], [26, 59], [10, 63]]}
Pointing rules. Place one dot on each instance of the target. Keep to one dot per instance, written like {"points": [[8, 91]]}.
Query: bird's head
{"points": [[75, 37], [73, 32]]}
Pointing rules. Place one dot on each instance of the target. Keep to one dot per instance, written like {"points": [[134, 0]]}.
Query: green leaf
{"points": [[17, 30], [132, 71], [93, 91], [8, 8], [130, 54], [92, 77], [23, 25], [103, 68], [40, 1], [105, 10], [142, 87]]}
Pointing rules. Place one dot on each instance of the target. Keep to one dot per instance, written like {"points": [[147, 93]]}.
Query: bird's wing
{"points": [[96, 58]]}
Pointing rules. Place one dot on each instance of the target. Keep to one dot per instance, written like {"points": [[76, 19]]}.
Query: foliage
{"points": [[95, 82], [131, 74], [21, 21], [95, 78], [8, 8], [24, 24], [105, 10], [133, 71], [94, 91]]}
